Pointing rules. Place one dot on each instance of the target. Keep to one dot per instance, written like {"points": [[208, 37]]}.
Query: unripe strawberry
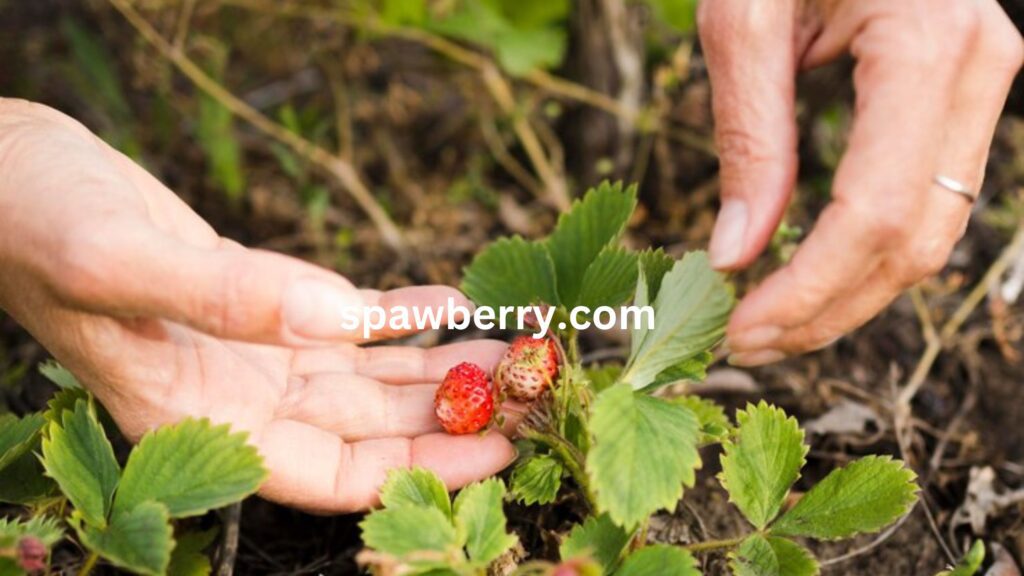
{"points": [[464, 403], [528, 368], [32, 554]]}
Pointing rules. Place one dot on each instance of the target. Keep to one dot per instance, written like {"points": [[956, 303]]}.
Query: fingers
{"points": [[750, 49], [846, 271], [315, 470], [128, 268], [398, 364]]}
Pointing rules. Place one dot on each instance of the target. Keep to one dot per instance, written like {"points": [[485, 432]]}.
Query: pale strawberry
{"points": [[464, 403], [528, 368]]}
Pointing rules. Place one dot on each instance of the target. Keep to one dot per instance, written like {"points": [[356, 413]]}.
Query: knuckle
{"points": [[237, 280], [1003, 46], [84, 263], [740, 145], [927, 259]]}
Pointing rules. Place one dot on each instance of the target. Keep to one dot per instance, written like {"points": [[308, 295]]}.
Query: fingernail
{"points": [[756, 358], [727, 238], [755, 338], [317, 309]]}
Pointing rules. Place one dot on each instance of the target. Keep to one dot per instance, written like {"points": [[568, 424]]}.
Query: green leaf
{"points": [[659, 560], [521, 51], [511, 272], [691, 309], [46, 528], [610, 280], [655, 264], [63, 401], [17, 435], [714, 424], [536, 480], [79, 457], [23, 481], [763, 462], [536, 13], [865, 496], [598, 538], [644, 452], [404, 12], [138, 539], [679, 14], [771, 556], [480, 519], [188, 558], [190, 467], [970, 564], [693, 369], [408, 530], [593, 223], [59, 375], [602, 377], [215, 130], [415, 487]]}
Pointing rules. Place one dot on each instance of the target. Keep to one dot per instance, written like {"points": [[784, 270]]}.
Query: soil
{"points": [[416, 122]]}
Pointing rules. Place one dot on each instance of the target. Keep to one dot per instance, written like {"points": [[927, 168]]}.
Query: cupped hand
{"points": [[931, 78], [162, 319]]}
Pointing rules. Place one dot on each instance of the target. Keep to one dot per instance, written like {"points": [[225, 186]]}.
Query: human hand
{"points": [[931, 79], [161, 319]]}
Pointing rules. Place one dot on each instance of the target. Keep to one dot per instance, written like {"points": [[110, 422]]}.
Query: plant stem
{"points": [[710, 545], [570, 457], [89, 564]]}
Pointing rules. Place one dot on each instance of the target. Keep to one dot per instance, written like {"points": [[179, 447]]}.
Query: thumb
{"points": [[750, 53], [226, 290]]}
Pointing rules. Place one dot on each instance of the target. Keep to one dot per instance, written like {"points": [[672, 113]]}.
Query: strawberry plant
{"points": [[606, 435], [61, 464]]}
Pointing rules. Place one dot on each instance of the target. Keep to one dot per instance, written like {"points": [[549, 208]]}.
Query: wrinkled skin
{"points": [[931, 79], [161, 318]]}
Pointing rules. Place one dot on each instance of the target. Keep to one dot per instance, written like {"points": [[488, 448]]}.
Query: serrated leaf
{"points": [[17, 435], [46, 528], [714, 424], [188, 558], [644, 452], [480, 519], [659, 560], [63, 401], [536, 480], [23, 481], [415, 487], [970, 564], [597, 538], [763, 461], [79, 457], [190, 467], [408, 530], [655, 264], [139, 539], [59, 375], [591, 224], [511, 272], [610, 279], [771, 556], [865, 496], [691, 310], [693, 369]]}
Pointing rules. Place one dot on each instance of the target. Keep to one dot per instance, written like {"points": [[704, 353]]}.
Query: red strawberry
{"points": [[31, 554], [464, 403], [528, 368]]}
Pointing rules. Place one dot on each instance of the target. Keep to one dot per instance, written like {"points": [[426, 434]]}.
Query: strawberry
{"points": [[528, 368], [31, 554], [464, 403]]}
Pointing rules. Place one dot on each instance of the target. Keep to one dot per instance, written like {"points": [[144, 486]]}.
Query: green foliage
{"points": [[79, 457], [17, 435], [480, 520], [645, 451], [598, 538], [970, 564], [415, 487], [47, 530], [59, 375], [714, 424], [691, 309], [679, 14], [659, 560], [610, 279], [414, 531], [536, 480], [511, 272], [764, 460], [190, 467], [215, 131], [188, 558], [865, 496], [138, 539], [771, 556]]}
